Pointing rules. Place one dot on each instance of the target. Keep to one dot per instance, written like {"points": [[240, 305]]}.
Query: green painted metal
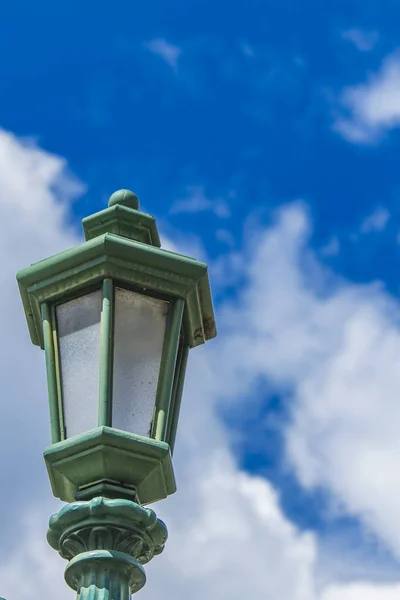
{"points": [[106, 353], [107, 489], [104, 575], [106, 542], [58, 374], [130, 263], [122, 248], [107, 539], [167, 369], [123, 219], [177, 394], [51, 373], [109, 455], [124, 198]]}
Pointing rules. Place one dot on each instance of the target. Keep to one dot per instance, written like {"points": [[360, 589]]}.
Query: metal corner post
{"points": [[177, 394], [58, 373], [51, 370], [106, 353], [167, 369]]}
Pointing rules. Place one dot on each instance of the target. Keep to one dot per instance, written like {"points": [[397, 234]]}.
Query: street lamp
{"points": [[116, 317]]}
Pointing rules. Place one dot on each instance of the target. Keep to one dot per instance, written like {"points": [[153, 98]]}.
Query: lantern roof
{"points": [[122, 243]]}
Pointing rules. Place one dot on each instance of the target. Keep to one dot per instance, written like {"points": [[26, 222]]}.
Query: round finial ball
{"points": [[124, 197]]}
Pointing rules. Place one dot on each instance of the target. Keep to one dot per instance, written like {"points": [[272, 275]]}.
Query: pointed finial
{"points": [[125, 198]]}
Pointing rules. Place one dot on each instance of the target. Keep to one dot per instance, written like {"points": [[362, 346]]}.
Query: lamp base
{"points": [[106, 454], [106, 542]]}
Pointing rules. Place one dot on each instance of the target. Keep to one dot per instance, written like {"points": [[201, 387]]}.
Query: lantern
{"points": [[116, 317]]}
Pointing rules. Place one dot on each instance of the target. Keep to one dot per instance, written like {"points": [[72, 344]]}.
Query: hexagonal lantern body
{"points": [[116, 317]]}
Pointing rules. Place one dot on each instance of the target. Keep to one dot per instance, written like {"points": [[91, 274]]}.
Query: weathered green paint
{"points": [[108, 489], [106, 542], [104, 575], [106, 454], [124, 198], [129, 263], [122, 249], [106, 353], [167, 368], [177, 394], [106, 539], [51, 373], [124, 221], [58, 374]]}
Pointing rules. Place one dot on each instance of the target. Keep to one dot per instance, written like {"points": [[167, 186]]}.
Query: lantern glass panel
{"points": [[139, 331], [78, 323]]}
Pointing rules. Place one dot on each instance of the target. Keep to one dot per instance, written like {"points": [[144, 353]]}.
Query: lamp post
{"points": [[116, 317]]}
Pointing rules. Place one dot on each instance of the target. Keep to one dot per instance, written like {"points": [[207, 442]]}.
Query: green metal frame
{"points": [[122, 249], [167, 389], [149, 269], [106, 474], [167, 383]]}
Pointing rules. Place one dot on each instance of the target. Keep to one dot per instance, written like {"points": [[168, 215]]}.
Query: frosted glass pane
{"points": [[140, 323], [78, 324]]}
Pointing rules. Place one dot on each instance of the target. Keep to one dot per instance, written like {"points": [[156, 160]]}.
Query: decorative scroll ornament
{"points": [[106, 540]]}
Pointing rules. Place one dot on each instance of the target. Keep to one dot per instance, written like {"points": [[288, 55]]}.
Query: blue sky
{"points": [[239, 100], [264, 138]]}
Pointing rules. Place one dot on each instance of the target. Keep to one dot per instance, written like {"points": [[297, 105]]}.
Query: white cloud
{"points": [[362, 592], [33, 225], [168, 52], [225, 528], [228, 535], [368, 110], [33, 213], [362, 40], [333, 347], [196, 201], [376, 221], [32, 563]]}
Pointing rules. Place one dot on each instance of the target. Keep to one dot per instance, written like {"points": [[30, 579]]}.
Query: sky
{"points": [[264, 137]]}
